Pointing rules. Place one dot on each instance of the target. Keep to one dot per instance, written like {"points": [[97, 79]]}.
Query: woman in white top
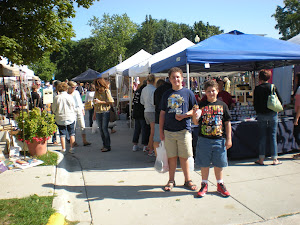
{"points": [[63, 108], [79, 110], [89, 98]]}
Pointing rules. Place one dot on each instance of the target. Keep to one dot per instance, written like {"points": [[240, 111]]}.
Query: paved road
{"points": [[121, 187]]}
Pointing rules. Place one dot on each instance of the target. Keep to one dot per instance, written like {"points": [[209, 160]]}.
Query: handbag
{"points": [[273, 102], [112, 115], [88, 105], [161, 163]]}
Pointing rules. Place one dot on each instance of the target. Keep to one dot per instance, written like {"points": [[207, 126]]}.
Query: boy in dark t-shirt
{"points": [[214, 137], [175, 127]]}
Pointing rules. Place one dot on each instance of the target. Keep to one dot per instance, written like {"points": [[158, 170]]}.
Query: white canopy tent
{"points": [[136, 58], [143, 68], [117, 70], [295, 40]]}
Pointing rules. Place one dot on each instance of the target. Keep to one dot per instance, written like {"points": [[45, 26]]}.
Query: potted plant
{"points": [[35, 128]]}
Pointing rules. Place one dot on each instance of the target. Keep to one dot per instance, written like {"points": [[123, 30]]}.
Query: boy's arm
{"points": [[183, 116], [228, 142], [161, 125], [297, 116]]}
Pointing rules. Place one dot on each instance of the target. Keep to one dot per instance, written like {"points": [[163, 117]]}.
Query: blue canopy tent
{"points": [[233, 51], [87, 76]]}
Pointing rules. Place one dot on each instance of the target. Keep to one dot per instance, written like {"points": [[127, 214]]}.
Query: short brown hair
{"points": [[211, 83], [91, 87], [63, 86], [34, 87], [175, 70], [151, 78], [264, 75]]}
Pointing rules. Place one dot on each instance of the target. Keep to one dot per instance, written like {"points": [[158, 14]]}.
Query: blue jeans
{"points": [[140, 127], [102, 120], [91, 113], [267, 124]]}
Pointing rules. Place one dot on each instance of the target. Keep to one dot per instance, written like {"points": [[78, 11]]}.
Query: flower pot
{"points": [[37, 148]]}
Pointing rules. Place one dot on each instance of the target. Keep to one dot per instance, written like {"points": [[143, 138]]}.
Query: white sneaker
{"points": [[145, 148], [135, 148], [63, 151]]}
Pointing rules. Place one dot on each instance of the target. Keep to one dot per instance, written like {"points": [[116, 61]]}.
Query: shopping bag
{"points": [[88, 105], [161, 163], [191, 163], [94, 127], [273, 102]]}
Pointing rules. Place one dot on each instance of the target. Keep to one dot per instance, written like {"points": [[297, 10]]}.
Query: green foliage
{"points": [[116, 35], [74, 58], [205, 31], [31, 28], [35, 125], [111, 34], [44, 68], [288, 19], [26, 211]]}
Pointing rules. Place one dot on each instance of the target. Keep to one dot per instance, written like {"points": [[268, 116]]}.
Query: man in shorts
{"points": [[147, 100], [175, 127]]}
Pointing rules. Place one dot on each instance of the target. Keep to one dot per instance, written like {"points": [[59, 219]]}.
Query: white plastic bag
{"points": [[161, 163], [94, 127], [191, 163]]}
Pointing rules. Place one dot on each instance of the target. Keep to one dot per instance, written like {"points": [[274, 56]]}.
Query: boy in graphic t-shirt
{"points": [[175, 127], [214, 137]]}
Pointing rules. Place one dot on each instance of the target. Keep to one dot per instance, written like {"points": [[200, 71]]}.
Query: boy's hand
{"points": [[162, 136], [180, 117], [228, 144]]}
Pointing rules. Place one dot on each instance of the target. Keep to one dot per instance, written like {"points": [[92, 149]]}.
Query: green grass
{"points": [[26, 211], [49, 159]]}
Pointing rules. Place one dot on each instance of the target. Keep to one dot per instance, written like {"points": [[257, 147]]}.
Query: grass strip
{"points": [[26, 211], [49, 159]]}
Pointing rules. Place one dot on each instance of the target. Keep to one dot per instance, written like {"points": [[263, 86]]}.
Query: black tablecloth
{"points": [[245, 137]]}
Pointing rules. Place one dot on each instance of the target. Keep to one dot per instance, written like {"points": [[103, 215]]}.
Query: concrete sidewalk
{"points": [[121, 187]]}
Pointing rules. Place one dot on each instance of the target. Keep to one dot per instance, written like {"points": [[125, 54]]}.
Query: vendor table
{"points": [[245, 138]]}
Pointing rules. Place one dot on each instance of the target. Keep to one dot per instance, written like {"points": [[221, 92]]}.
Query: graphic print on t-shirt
{"points": [[212, 120], [175, 102]]}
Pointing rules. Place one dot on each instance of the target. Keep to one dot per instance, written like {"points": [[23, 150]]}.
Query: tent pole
{"points": [[130, 100], [188, 75]]}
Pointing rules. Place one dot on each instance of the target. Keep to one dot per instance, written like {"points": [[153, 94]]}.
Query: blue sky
{"points": [[248, 16]]}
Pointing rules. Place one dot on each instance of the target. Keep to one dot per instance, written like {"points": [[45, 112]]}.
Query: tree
{"points": [[30, 28], [66, 61], [44, 68], [112, 34], [288, 19], [205, 31]]}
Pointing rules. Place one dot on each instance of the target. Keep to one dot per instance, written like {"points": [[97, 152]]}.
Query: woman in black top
{"points": [[35, 100], [266, 118]]}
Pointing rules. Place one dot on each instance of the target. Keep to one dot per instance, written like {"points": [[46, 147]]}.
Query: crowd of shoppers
{"points": [[163, 111]]}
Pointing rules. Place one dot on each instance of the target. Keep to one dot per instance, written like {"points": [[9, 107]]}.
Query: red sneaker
{"points": [[222, 190], [203, 190]]}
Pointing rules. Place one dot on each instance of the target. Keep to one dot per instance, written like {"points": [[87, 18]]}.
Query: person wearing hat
{"points": [[79, 111]]}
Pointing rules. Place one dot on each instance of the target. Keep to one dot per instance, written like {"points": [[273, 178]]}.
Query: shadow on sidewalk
{"points": [[101, 192]]}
